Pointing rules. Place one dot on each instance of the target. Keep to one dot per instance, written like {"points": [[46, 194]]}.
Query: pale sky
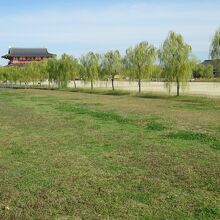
{"points": [[77, 27]]}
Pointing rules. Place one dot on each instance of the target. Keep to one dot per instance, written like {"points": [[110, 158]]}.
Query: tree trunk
{"points": [[113, 86], [49, 84], [59, 82], [178, 86], [139, 80], [91, 84], [139, 85], [74, 83]]}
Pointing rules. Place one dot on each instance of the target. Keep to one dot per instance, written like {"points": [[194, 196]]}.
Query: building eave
{"points": [[28, 52], [7, 56]]}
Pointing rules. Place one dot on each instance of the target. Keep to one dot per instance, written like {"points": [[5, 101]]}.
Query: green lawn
{"points": [[74, 155]]}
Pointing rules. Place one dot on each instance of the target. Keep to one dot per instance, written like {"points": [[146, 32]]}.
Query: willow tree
{"points": [[51, 69], [112, 65], [58, 71], [2, 74], [7, 74], [202, 71], [139, 62], [14, 73], [43, 74], [90, 67], [215, 49], [34, 69], [63, 70], [175, 59], [26, 75], [72, 67]]}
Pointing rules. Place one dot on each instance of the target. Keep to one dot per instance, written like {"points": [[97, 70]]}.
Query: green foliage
{"points": [[215, 49], [90, 67], [202, 71], [26, 74], [73, 68], [64, 69], [111, 65], [1, 73], [157, 72], [52, 70], [37, 71], [175, 59], [215, 46], [139, 62], [58, 71]]}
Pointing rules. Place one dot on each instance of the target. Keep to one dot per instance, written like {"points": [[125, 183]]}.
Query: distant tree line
{"points": [[173, 63]]}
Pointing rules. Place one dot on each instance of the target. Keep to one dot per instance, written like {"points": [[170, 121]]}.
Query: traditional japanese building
{"points": [[20, 56]]}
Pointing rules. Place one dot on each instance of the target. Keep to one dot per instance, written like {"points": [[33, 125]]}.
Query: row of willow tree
{"points": [[176, 65]]}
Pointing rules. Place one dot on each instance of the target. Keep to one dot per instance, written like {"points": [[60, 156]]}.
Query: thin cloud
{"points": [[120, 26]]}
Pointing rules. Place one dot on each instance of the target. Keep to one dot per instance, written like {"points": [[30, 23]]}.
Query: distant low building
{"points": [[215, 67], [21, 56]]}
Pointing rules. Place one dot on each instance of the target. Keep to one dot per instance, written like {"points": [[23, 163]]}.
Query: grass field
{"points": [[74, 155]]}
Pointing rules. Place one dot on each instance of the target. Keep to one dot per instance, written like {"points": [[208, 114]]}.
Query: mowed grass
{"points": [[73, 155]]}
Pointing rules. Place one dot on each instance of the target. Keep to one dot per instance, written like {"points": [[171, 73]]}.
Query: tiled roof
{"points": [[27, 52]]}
